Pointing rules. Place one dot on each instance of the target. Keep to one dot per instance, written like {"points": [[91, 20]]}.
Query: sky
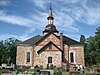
{"points": [[23, 19]]}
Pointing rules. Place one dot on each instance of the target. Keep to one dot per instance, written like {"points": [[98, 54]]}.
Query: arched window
{"points": [[71, 57], [49, 59], [28, 56]]}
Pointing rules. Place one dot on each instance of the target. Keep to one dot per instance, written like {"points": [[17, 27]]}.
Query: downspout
{"points": [[68, 54], [33, 57], [62, 46]]}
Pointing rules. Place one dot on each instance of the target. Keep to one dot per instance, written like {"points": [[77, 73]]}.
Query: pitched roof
{"points": [[32, 40], [36, 39], [47, 46], [69, 41], [47, 36]]}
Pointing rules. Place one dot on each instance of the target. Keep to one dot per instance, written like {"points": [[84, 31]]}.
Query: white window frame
{"points": [[26, 57]]}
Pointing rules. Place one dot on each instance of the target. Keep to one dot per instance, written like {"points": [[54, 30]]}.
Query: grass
{"points": [[65, 73]]}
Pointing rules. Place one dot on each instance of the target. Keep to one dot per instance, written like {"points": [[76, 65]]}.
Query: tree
{"points": [[86, 52], [8, 50], [3, 53], [92, 48], [97, 38], [11, 48], [82, 39]]}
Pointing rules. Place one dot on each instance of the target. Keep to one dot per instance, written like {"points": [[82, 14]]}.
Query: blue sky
{"points": [[23, 19]]}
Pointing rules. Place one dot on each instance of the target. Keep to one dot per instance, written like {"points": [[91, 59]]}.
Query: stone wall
{"points": [[79, 54], [42, 58], [66, 52], [52, 38], [21, 55]]}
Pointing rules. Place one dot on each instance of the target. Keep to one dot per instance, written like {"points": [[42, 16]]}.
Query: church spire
{"points": [[50, 11], [50, 17], [50, 27]]}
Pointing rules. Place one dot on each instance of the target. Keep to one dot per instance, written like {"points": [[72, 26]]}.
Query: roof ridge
{"points": [[46, 36]]}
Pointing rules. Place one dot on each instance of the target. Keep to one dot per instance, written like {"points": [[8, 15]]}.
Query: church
{"points": [[51, 48]]}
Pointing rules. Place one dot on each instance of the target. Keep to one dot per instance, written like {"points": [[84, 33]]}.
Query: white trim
{"points": [[30, 56], [26, 57], [49, 55], [72, 51]]}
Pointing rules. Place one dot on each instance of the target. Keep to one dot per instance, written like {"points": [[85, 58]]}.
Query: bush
{"points": [[60, 69], [0, 71]]}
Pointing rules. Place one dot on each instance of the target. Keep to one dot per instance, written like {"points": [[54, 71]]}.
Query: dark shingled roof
{"points": [[70, 41], [35, 39], [32, 40], [50, 28]]}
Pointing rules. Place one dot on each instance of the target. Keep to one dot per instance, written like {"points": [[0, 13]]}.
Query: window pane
{"points": [[28, 56], [50, 46], [71, 57], [49, 59]]}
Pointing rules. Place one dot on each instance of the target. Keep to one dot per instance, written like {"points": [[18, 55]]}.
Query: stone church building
{"points": [[50, 48]]}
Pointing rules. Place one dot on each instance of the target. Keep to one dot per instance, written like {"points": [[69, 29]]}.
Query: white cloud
{"points": [[4, 2], [92, 17], [62, 21], [40, 19], [91, 14], [14, 19], [20, 37], [65, 22], [66, 14], [40, 3], [67, 18], [70, 1], [86, 11]]}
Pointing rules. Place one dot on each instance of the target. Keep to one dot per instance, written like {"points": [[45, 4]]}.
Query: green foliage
{"points": [[0, 71], [82, 39], [2, 53], [92, 48], [97, 38], [8, 50]]}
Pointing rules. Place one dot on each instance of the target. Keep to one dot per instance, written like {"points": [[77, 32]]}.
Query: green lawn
{"points": [[65, 73]]}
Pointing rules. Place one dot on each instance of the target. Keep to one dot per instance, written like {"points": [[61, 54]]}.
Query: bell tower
{"points": [[50, 27]]}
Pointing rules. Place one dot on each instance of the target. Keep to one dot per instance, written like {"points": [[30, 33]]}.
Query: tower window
{"points": [[28, 56], [49, 59], [71, 57], [50, 46]]}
